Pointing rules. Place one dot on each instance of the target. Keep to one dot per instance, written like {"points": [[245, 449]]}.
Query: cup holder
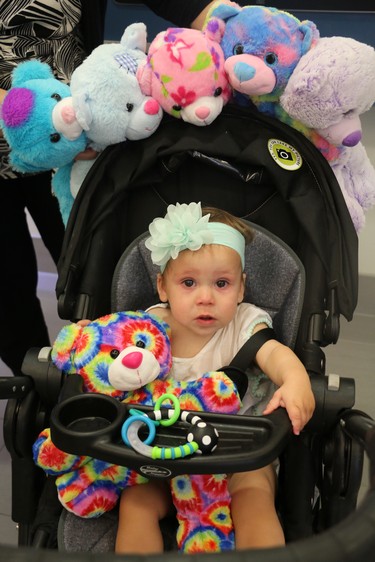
{"points": [[84, 416]]}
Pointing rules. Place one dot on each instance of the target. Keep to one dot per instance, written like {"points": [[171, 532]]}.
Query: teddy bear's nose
{"points": [[202, 112], [132, 360], [353, 139], [68, 115], [151, 107]]}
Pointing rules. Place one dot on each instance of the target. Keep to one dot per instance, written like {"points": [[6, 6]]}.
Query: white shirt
{"points": [[222, 348]]}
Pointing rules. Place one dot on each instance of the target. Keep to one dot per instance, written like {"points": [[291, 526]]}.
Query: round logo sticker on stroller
{"points": [[285, 155]]}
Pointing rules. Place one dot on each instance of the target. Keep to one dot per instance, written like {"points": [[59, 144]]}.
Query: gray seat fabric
{"points": [[275, 282], [75, 534]]}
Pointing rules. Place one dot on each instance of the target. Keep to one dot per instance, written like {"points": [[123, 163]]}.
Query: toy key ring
{"points": [[201, 438], [131, 438], [144, 419]]}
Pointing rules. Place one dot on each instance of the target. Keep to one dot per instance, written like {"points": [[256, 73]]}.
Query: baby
{"points": [[201, 287]]}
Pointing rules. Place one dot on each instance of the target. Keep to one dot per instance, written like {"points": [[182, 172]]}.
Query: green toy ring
{"points": [[176, 405]]}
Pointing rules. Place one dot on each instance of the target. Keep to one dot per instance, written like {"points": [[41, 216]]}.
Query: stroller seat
{"points": [[275, 281]]}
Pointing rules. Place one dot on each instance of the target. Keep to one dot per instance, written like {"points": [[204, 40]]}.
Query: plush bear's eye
{"points": [[129, 107], [177, 107], [140, 344], [56, 97], [218, 92], [238, 49], [55, 137], [114, 353], [270, 58]]}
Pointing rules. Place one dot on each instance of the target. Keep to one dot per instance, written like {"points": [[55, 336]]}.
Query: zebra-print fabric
{"points": [[43, 29]]}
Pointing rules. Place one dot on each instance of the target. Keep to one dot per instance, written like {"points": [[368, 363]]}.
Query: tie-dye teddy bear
{"points": [[126, 355], [261, 47]]}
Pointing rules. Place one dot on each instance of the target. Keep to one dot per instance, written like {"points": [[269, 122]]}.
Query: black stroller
{"points": [[271, 175]]}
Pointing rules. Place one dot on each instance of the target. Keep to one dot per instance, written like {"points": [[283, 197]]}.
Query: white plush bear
{"points": [[107, 98]]}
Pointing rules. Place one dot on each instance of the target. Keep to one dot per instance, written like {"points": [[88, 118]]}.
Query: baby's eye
{"points": [[188, 282], [140, 343], [221, 283], [114, 353], [270, 58]]}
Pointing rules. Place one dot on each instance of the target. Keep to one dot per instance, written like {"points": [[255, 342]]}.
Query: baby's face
{"points": [[203, 288]]}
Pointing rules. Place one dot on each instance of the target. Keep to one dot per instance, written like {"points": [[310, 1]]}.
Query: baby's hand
{"points": [[84, 322], [87, 154], [298, 399]]}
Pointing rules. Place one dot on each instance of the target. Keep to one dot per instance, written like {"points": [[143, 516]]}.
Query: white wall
{"points": [[367, 235]]}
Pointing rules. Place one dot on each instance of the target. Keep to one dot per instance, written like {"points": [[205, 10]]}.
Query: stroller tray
{"points": [[90, 424]]}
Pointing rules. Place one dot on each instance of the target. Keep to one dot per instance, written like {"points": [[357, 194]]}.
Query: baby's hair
{"points": [[219, 215]]}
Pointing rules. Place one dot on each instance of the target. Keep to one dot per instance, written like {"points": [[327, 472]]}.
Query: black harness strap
{"points": [[245, 356]]}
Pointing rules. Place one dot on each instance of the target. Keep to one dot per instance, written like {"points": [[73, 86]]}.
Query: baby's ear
{"points": [[160, 288], [63, 349]]}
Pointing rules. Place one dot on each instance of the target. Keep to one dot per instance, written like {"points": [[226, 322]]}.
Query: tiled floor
{"points": [[353, 356]]}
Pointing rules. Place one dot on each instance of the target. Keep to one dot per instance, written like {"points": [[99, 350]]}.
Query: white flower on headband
{"points": [[182, 228]]}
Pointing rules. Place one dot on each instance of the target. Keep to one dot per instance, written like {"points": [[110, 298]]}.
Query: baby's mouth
{"points": [[205, 318]]}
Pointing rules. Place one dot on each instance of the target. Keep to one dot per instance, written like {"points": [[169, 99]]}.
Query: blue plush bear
{"points": [[40, 125], [38, 120]]}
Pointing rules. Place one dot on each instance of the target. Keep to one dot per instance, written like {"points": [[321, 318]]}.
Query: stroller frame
{"points": [[343, 433]]}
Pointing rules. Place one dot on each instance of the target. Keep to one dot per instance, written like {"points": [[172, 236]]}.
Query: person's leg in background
{"points": [[22, 324], [44, 210]]}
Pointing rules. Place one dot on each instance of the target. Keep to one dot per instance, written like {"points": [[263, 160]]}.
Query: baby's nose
{"points": [[132, 360], [205, 295]]}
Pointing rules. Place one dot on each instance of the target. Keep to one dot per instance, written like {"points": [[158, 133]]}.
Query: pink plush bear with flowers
{"points": [[184, 72]]}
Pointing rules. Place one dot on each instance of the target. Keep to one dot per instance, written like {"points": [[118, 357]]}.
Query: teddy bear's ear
{"points": [[30, 70], [215, 29], [64, 347], [82, 109], [135, 37], [226, 11], [144, 78], [310, 35]]}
